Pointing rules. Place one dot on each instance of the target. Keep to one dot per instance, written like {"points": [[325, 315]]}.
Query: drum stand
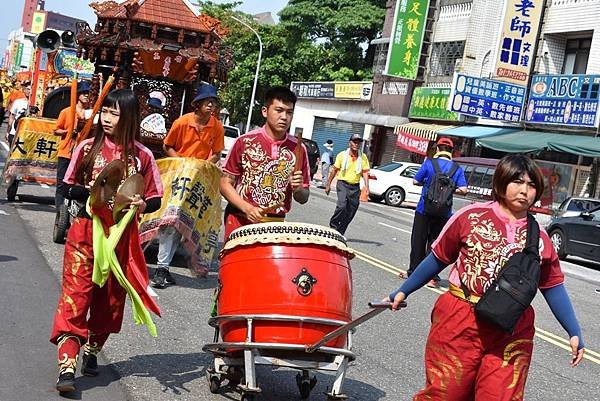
{"points": [[236, 361]]}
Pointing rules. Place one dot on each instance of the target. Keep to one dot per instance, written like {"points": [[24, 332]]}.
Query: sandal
{"points": [[403, 275]]}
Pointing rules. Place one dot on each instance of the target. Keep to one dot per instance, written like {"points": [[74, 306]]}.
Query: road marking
{"points": [[5, 146], [547, 336], [45, 186], [395, 228], [2, 212]]}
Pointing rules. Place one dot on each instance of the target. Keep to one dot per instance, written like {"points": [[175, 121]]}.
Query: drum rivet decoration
{"points": [[304, 281]]}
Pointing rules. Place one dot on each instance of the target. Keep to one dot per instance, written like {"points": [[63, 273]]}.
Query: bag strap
{"points": [[533, 237], [452, 170], [436, 166]]}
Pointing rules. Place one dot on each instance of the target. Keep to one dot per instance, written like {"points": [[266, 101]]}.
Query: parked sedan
{"points": [[394, 183], [577, 235]]}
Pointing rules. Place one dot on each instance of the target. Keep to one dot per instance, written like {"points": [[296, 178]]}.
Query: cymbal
{"points": [[133, 185], [106, 183]]}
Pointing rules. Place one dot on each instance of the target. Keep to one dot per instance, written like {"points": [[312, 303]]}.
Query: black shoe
{"points": [[160, 278], [89, 365], [169, 279], [66, 382]]}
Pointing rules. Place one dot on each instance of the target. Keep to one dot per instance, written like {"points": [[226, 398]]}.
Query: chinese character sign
{"points": [[431, 103], [486, 98], [333, 90], [191, 204], [34, 152], [406, 39], [517, 40], [565, 100], [412, 143]]}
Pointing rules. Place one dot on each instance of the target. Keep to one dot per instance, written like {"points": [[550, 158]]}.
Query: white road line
{"points": [[44, 185], [5, 146], [395, 228]]}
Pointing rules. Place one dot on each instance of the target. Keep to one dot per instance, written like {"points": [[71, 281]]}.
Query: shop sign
{"points": [[333, 90], [407, 38], [564, 99], [38, 23], [486, 98], [518, 34], [19, 56], [431, 103], [412, 143]]}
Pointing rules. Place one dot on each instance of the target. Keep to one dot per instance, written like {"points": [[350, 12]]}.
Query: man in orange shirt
{"points": [[197, 134], [67, 143]]}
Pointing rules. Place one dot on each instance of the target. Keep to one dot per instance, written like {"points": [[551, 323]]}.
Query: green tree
{"points": [[315, 41]]}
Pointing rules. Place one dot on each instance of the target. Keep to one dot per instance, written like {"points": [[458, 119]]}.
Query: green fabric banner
{"points": [[407, 38], [431, 103]]}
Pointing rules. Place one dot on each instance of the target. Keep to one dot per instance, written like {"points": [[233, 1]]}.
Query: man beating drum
{"points": [[261, 174]]}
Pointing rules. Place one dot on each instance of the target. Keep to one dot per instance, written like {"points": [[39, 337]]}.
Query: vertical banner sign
{"points": [[517, 40], [38, 24], [407, 38], [19, 57]]}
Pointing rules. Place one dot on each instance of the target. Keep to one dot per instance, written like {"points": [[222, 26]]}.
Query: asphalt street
{"points": [[135, 366]]}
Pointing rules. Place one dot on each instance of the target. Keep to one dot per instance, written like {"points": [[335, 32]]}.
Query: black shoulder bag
{"points": [[514, 288]]}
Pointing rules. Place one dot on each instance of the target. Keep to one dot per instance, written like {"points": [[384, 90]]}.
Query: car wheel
{"points": [[394, 196], [559, 241]]}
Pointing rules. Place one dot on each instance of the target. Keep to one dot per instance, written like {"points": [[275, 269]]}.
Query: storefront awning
{"points": [[415, 137], [531, 141], [371, 119], [476, 131]]}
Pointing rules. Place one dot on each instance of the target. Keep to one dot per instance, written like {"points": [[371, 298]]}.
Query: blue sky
{"points": [[10, 18]]}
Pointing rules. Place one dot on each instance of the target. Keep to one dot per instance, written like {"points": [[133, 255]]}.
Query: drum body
{"points": [[297, 270]]}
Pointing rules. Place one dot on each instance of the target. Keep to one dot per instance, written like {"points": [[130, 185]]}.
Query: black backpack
{"points": [[514, 288], [438, 200]]}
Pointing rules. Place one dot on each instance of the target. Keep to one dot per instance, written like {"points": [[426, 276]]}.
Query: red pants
{"points": [[467, 359]]}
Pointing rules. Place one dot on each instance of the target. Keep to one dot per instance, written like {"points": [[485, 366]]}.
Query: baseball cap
{"points": [[354, 137], [445, 141]]}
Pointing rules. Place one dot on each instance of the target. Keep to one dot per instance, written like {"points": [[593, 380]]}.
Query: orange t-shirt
{"points": [[14, 95], [185, 138], [65, 119]]}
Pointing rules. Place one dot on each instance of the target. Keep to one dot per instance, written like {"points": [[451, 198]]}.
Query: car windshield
{"points": [[389, 167], [231, 133], [581, 205]]}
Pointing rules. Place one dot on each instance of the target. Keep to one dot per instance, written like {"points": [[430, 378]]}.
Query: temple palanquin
{"points": [[162, 49]]}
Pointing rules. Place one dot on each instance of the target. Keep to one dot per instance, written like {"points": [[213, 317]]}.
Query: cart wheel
{"points": [[305, 384], [214, 383], [61, 224], [11, 191]]}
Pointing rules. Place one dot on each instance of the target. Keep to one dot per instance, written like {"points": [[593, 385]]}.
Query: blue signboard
{"points": [[66, 62], [564, 99], [486, 98]]}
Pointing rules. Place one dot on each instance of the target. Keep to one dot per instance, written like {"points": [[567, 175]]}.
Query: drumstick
{"points": [[299, 152]]}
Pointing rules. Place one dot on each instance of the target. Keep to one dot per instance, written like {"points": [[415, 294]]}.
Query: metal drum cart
{"points": [[284, 299]]}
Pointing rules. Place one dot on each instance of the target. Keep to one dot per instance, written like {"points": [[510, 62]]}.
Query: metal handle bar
{"points": [[377, 308]]}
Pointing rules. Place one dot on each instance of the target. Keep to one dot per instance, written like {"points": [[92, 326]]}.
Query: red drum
{"points": [[296, 270]]}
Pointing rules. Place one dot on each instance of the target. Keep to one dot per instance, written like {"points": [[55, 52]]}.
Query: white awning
{"points": [[372, 119]]}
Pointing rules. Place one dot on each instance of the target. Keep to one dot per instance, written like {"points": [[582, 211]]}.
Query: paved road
{"points": [[389, 348]]}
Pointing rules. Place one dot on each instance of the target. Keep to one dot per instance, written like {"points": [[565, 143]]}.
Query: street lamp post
{"points": [[257, 69]]}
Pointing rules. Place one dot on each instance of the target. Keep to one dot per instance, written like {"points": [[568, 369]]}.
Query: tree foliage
{"points": [[315, 40]]}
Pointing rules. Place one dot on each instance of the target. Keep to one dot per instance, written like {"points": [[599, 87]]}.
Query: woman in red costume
{"points": [[117, 138], [466, 357]]}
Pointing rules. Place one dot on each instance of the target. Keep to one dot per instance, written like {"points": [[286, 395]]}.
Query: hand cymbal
{"points": [[106, 183], [133, 185]]}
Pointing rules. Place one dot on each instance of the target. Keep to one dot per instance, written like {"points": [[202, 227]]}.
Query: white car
{"points": [[394, 183], [231, 134]]}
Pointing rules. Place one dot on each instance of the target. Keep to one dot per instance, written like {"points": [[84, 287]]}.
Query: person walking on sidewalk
{"points": [[427, 225], [326, 162], [349, 167], [200, 135]]}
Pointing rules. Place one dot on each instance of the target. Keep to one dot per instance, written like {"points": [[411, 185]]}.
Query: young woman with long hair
{"points": [[116, 138]]}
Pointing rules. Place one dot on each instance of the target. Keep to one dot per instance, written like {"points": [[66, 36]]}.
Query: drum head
{"points": [[106, 183], [291, 233]]}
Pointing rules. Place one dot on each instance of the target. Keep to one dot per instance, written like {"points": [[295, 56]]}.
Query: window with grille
{"points": [[380, 58], [444, 56], [576, 56]]}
